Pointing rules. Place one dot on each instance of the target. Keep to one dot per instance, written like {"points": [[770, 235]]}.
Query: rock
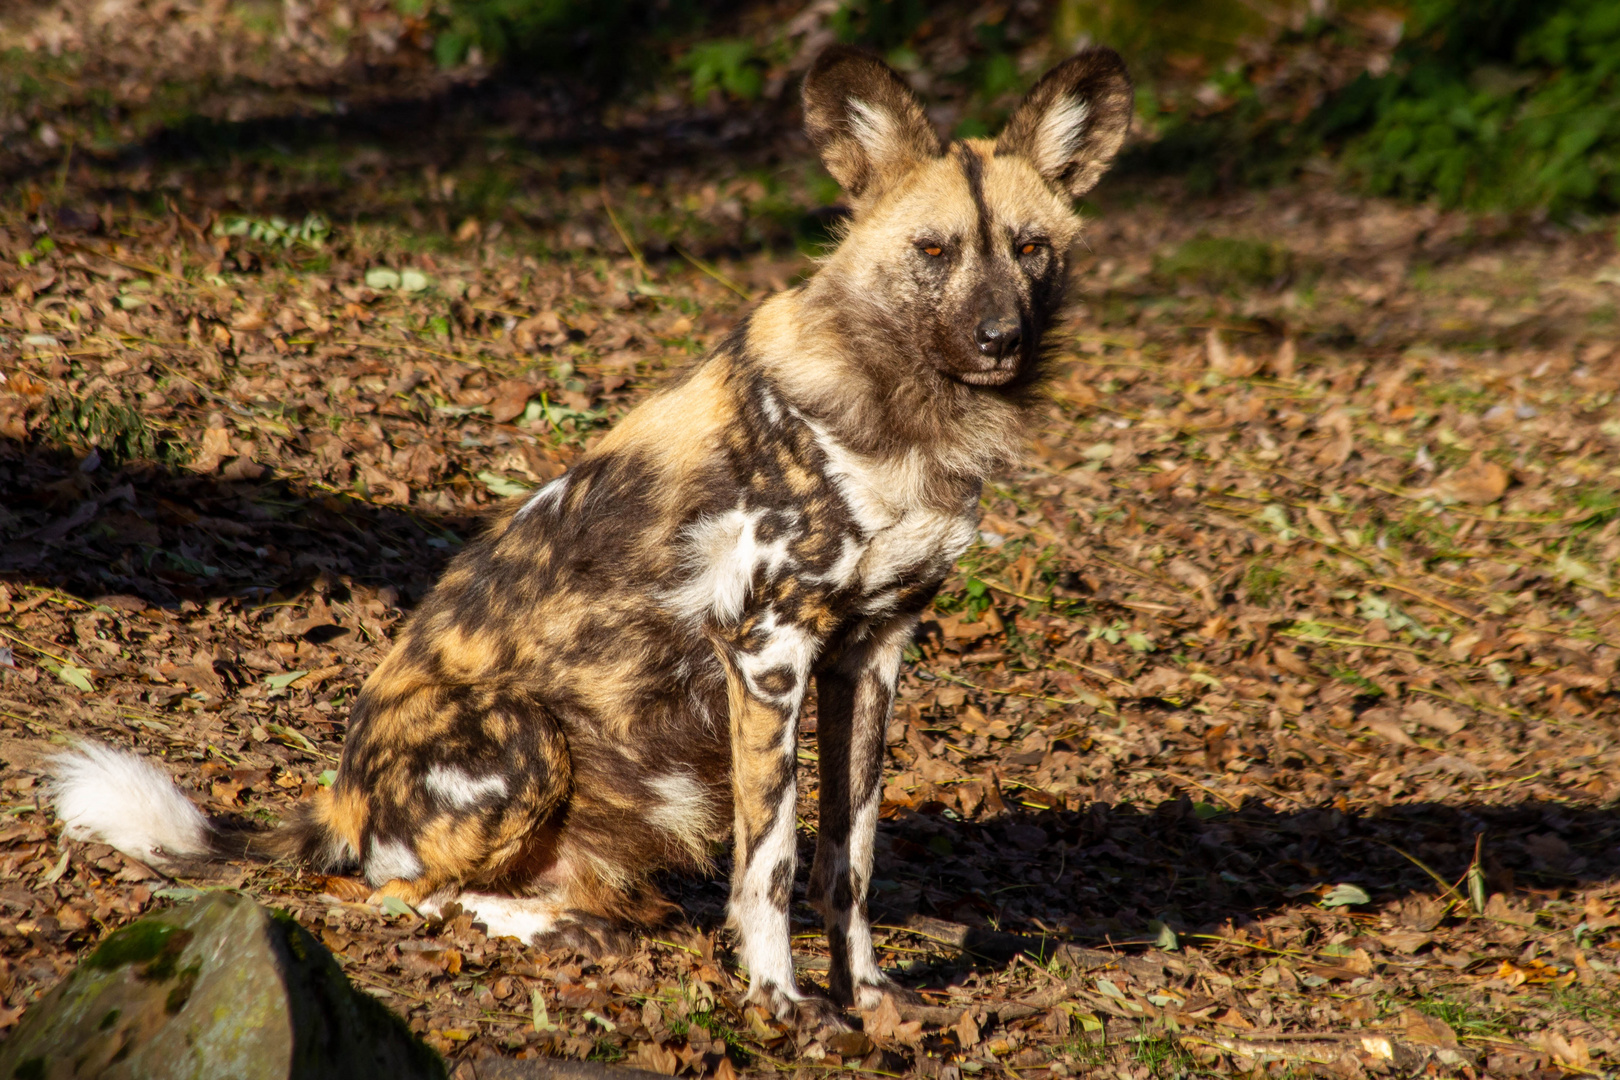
{"points": [[219, 987]]}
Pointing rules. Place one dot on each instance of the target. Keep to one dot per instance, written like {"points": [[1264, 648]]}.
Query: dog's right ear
{"points": [[867, 124]]}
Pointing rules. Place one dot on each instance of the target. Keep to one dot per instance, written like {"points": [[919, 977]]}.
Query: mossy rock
{"points": [[217, 988]]}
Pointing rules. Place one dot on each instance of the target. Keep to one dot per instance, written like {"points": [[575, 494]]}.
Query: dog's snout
{"points": [[998, 337]]}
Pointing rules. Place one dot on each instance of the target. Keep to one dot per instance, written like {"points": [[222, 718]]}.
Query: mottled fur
{"points": [[611, 679]]}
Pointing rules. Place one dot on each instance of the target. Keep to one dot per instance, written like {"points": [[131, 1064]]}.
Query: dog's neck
{"points": [[878, 402]]}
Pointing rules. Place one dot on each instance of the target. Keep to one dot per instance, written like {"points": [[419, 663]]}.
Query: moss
{"points": [[1223, 262], [180, 993], [156, 945]]}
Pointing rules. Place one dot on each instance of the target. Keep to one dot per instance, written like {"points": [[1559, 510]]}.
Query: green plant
{"points": [[878, 24], [561, 35], [1262, 582], [311, 232], [116, 431], [1510, 103], [728, 64]]}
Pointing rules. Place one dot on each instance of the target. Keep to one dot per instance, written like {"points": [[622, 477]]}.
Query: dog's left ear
{"points": [[1072, 122]]}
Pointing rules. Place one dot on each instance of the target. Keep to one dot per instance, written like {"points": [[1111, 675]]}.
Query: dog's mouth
{"points": [[996, 376]]}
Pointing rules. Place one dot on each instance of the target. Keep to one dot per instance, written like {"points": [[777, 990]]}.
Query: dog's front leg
{"points": [[854, 700], [766, 686]]}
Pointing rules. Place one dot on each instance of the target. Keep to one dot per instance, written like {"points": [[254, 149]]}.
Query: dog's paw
{"points": [[808, 1013]]}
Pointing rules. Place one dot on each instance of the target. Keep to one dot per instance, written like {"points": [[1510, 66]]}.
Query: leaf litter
{"points": [[1271, 724]]}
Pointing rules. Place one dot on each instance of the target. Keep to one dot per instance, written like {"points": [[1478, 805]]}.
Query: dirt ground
{"points": [[1270, 729]]}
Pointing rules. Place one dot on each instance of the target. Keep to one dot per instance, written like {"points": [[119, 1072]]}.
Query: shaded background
{"points": [[1504, 104]]}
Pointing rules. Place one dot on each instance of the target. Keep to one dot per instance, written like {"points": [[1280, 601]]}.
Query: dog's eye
{"points": [[1028, 247], [933, 250]]}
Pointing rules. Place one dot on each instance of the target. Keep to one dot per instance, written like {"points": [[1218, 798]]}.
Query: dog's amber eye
{"points": [[1028, 249], [934, 250]]}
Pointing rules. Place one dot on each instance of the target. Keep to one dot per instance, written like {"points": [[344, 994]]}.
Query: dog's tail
{"points": [[119, 798]]}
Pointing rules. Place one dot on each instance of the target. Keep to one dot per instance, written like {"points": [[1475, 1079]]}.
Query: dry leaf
{"points": [[1233, 1019], [510, 399], [1423, 1030], [656, 1058], [216, 446], [350, 889], [1382, 721], [884, 1023], [1282, 365], [1478, 483], [967, 1032], [1225, 361], [1425, 712], [1404, 942]]}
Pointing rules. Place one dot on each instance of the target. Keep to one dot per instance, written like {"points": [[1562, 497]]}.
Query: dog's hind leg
{"points": [[448, 786]]}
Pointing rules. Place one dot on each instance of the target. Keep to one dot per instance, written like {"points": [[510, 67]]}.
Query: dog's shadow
{"points": [[1106, 875]]}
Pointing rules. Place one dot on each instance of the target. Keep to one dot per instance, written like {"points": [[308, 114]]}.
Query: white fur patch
{"points": [[873, 128], [772, 408], [521, 917], [786, 646], [114, 797], [842, 572], [1062, 130], [460, 788], [391, 859], [682, 808], [547, 498], [724, 553], [764, 945], [903, 530]]}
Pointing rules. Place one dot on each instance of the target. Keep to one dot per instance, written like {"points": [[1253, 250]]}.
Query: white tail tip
{"points": [[114, 797]]}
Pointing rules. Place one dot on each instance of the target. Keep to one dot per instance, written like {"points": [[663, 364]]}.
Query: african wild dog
{"points": [[617, 668]]}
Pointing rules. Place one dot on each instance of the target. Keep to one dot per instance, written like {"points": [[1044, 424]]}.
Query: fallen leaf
{"points": [[1424, 1030], [215, 447], [884, 1022], [1345, 895], [1228, 362], [1478, 483], [511, 398], [1404, 942]]}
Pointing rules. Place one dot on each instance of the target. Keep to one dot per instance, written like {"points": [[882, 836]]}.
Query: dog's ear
{"points": [[1072, 122], [867, 124]]}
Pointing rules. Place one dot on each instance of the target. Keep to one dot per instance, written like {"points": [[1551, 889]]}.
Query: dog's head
{"points": [[957, 255]]}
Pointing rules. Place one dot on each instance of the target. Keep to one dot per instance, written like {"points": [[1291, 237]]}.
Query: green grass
{"points": [[1262, 583], [1223, 263], [1467, 1019]]}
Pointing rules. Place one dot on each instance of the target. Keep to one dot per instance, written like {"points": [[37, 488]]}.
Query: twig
{"points": [[36, 648], [1425, 597], [1196, 784], [624, 237], [1003, 590], [714, 273]]}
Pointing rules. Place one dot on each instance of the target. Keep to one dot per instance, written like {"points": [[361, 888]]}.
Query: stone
{"points": [[220, 987]]}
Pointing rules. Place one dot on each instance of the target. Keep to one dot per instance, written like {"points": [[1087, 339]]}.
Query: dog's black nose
{"points": [[998, 337]]}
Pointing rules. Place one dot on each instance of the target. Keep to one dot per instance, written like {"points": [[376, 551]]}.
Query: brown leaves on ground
{"points": [[1304, 596]]}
